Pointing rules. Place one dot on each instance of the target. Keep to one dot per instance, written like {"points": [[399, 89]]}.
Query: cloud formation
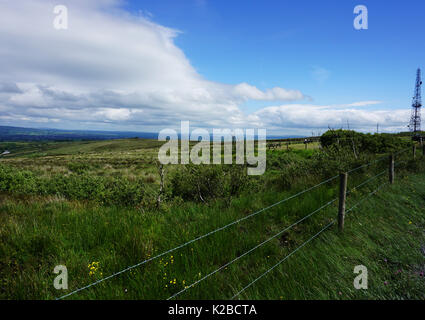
{"points": [[321, 117], [111, 69], [108, 66]]}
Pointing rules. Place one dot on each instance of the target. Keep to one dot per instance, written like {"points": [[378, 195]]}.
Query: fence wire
{"points": [[364, 198], [236, 222], [306, 242], [196, 239], [286, 257], [252, 249], [365, 182]]}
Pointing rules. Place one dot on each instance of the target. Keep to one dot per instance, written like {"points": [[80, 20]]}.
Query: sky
{"points": [[292, 67]]}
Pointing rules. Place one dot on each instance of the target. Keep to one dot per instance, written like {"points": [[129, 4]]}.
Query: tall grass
{"points": [[86, 215], [39, 233]]}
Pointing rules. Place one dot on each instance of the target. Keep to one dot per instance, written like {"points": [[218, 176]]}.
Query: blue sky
{"points": [[308, 45], [288, 66]]}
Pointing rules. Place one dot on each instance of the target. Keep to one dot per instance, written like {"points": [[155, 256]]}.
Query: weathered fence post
{"points": [[391, 169], [342, 196], [414, 151], [423, 150], [161, 185]]}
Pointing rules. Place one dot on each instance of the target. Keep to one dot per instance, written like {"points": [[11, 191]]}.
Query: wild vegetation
{"points": [[93, 206]]}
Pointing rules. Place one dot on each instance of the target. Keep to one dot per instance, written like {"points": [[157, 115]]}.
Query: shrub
{"points": [[207, 182], [360, 142], [78, 167], [83, 186]]}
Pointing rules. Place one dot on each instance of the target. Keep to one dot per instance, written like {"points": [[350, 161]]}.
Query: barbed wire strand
{"points": [[313, 237], [286, 257], [366, 197], [365, 182], [397, 163], [196, 239], [367, 164], [402, 150], [200, 237], [252, 249], [377, 160]]}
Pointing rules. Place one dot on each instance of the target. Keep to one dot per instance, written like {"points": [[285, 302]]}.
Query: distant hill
{"points": [[8, 133]]}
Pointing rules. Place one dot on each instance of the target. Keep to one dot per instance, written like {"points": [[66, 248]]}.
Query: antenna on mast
{"points": [[415, 118]]}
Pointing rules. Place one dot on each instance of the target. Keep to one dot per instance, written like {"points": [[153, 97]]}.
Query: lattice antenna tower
{"points": [[415, 119]]}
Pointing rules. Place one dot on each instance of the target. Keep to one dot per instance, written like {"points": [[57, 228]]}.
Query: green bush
{"points": [[18, 182], [360, 142], [78, 167], [83, 186], [207, 182]]}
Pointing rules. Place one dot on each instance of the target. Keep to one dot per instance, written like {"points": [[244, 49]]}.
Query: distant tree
{"points": [[362, 142]]}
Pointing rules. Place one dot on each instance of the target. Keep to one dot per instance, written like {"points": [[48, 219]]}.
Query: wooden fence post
{"points": [[342, 196], [423, 150], [391, 169], [161, 186]]}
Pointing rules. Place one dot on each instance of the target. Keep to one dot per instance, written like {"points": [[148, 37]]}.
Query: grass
{"points": [[299, 146], [385, 233], [39, 230]]}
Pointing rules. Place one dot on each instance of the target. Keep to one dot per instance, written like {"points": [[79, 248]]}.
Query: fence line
{"points": [[400, 162], [286, 257], [228, 225], [364, 198], [254, 248], [304, 243], [366, 181], [367, 164], [196, 239], [377, 160], [402, 150]]}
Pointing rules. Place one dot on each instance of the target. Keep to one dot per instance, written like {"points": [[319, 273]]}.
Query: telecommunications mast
{"points": [[415, 119]]}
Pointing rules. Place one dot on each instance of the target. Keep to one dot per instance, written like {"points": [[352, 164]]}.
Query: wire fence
{"points": [[196, 239], [285, 258], [262, 243], [306, 242], [254, 248], [366, 197], [365, 182]]}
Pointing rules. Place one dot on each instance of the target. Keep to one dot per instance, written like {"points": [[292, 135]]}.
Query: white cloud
{"points": [[248, 92], [111, 63], [295, 116], [362, 103], [113, 68]]}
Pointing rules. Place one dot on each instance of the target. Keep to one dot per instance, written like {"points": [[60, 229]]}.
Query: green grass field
{"points": [[39, 231]]}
